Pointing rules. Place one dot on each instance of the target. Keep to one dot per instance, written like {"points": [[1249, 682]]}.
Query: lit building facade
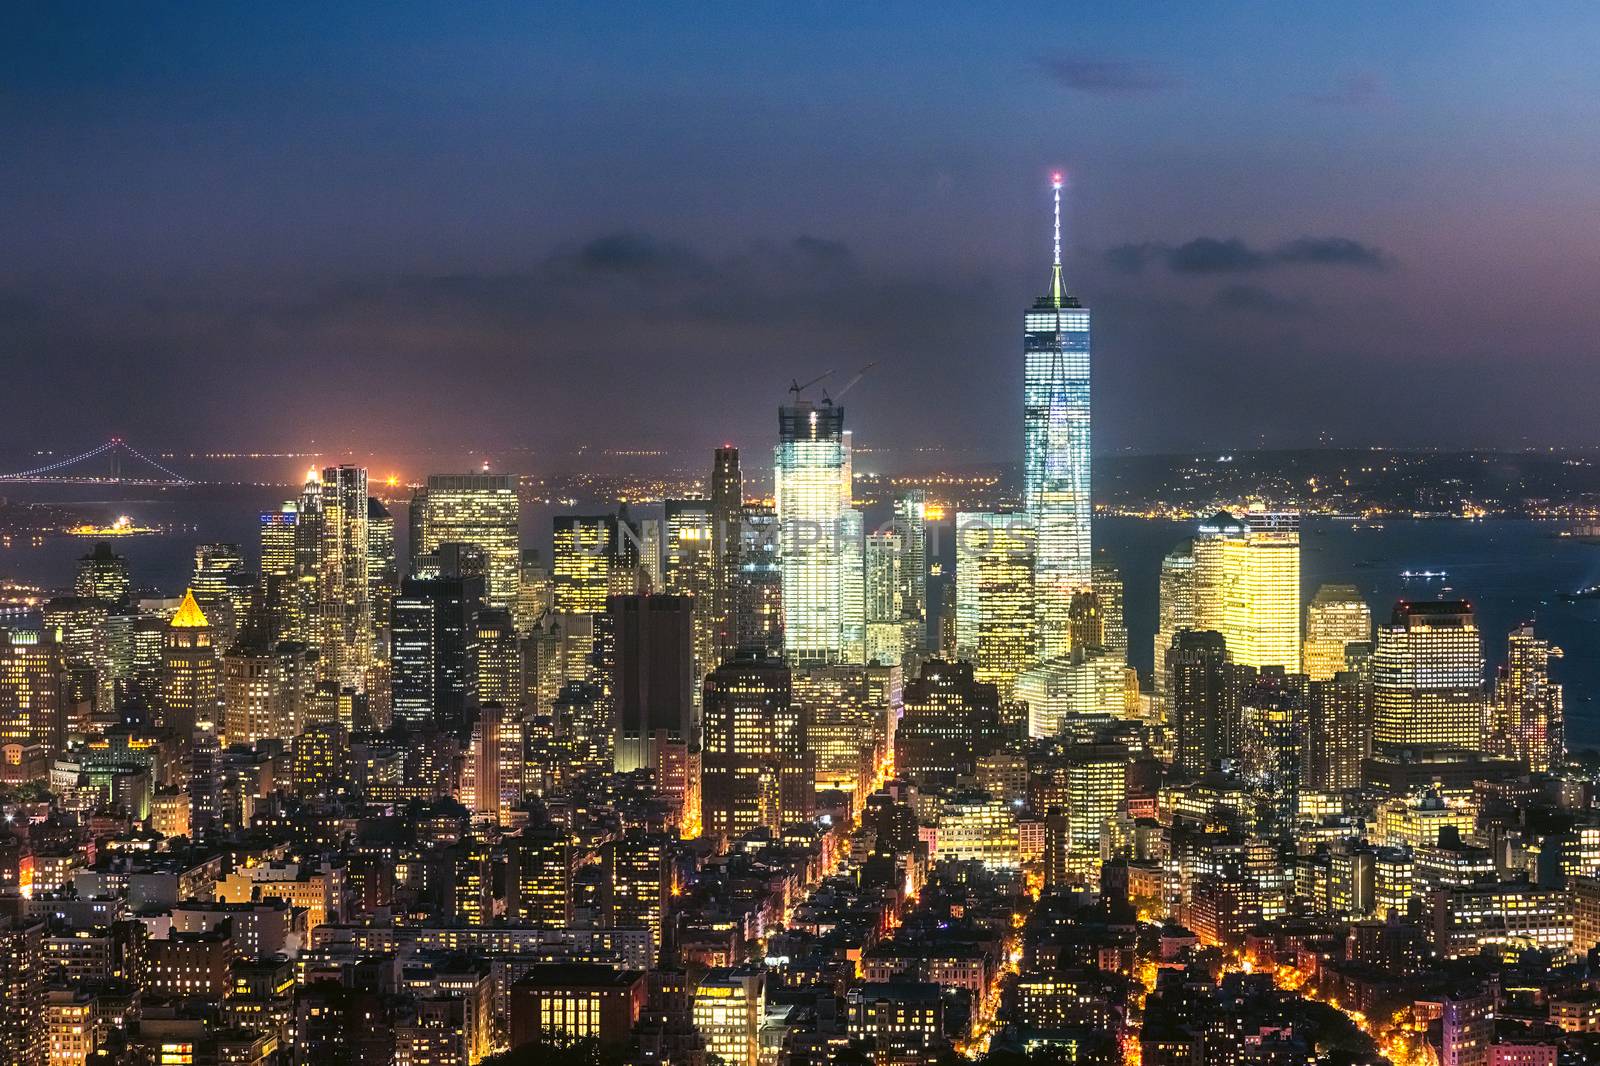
{"points": [[1247, 586], [1427, 679], [811, 471], [1528, 716], [1056, 449], [479, 509], [1336, 617], [996, 556]]}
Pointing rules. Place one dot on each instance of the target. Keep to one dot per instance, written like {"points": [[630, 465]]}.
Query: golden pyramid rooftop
{"points": [[189, 615]]}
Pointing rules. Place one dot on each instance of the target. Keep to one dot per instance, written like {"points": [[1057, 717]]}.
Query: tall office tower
{"points": [[585, 551], [344, 601], [757, 768], [886, 626], [539, 880], [852, 588], [1336, 617], [22, 982], [266, 691], [383, 569], [653, 554], [213, 563], [32, 684], [691, 571], [102, 575], [1056, 430], [811, 471], [484, 756], [849, 714], [1205, 688], [727, 518], [479, 509], [82, 627], [279, 537], [1273, 727], [638, 883], [996, 566], [1086, 622], [499, 660], [911, 522], [535, 593], [1338, 732], [1108, 596], [1427, 680], [884, 589], [189, 671], [285, 586], [650, 678], [1096, 789], [434, 656], [950, 720], [1175, 609], [758, 585], [1247, 586], [581, 715], [1527, 718]]}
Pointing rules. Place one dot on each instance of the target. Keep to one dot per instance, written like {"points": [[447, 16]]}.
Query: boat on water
{"points": [[123, 526], [1590, 592], [1424, 575]]}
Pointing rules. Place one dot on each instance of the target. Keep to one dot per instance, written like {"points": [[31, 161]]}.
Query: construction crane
{"points": [[852, 384], [796, 388]]}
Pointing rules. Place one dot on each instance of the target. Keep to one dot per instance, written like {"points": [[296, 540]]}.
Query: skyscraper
{"points": [[1427, 679], [1176, 608], [1247, 586], [911, 523], [757, 601], [1056, 451], [758, 768], [811, 471], [651, 677], [727, 516], [102, 575], [584, 553], [189, 671], [1336, 617], [343, 589], [1527, 718], [691, 571], [479, 509], [1206, 688], [995, 595], [435, 650]]}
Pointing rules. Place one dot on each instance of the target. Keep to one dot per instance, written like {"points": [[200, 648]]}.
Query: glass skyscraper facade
{"points": [[1056, 428], [811, 472]]}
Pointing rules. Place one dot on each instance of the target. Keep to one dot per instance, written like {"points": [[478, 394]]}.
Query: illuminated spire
{"points": [[1058, 290], [189, 615]]}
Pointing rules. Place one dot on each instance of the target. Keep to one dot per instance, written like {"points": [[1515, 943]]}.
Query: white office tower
{"points": [[1056, 432]]}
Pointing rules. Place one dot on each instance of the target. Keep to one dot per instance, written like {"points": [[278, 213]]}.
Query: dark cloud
{"points": [[1332, 251], [1213, 255], [1207, 255], [1104, 75]]}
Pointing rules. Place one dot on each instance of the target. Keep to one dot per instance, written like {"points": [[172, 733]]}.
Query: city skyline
{"points": [[997, 749]]}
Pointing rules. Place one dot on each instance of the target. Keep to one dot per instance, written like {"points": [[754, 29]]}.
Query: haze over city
{"points": [[1359, 222]]}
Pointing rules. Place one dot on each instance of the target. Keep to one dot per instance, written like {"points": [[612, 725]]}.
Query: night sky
{"points": [[477, 225]]}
